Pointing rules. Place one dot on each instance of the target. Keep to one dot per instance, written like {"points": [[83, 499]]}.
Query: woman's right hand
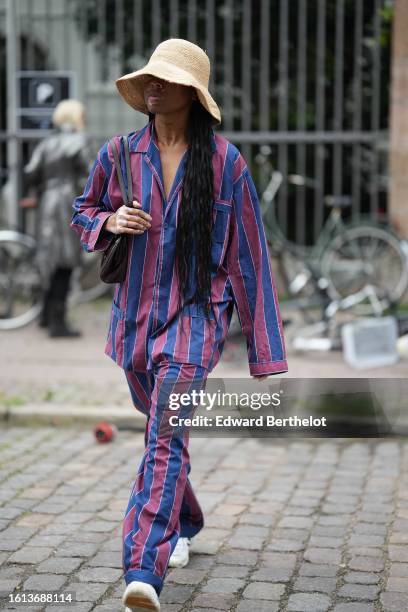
{"points": [[128, 220]]}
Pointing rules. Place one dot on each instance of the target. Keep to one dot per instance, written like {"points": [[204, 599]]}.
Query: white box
{"points": [[370, 342]]}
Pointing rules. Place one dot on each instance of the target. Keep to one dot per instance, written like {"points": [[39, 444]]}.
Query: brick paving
{"points": [[318, 525]]}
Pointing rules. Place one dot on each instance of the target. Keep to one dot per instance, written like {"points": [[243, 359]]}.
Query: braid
{"points": [[194, 224]]}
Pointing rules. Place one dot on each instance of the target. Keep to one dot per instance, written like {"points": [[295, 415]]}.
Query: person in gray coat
{"points": [[57, 167]]}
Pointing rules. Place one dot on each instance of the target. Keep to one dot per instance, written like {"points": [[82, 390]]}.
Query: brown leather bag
{"points": [[115, 257]]}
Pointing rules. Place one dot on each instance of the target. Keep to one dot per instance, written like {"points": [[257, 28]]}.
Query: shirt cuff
{"points": [[268, 367], [101, 237]]}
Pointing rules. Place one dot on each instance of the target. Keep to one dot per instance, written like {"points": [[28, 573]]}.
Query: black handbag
{"points": [[115, 257]]}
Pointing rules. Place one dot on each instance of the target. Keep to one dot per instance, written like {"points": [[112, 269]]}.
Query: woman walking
{"points": [[55, 172], [196, 247]]}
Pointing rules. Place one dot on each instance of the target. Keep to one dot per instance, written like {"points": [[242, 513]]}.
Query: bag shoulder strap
{"points": [[127, 197], [128, 172]]}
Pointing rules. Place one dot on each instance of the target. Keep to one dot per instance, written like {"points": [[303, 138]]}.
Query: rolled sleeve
{"points": [[252, 282], [91, 211]]}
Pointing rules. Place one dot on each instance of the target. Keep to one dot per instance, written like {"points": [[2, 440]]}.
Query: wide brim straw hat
{"points": [[175, 60]]}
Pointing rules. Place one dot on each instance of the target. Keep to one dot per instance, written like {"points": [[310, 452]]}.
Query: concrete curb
{"points": [[124, 417]]}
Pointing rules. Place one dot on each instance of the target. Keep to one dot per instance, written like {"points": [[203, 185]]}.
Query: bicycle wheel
{"points": [[301, 285], [20, 281], [362, 256]]}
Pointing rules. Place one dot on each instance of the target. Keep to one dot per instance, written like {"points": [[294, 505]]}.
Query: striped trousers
{"points": [[162, 505]]}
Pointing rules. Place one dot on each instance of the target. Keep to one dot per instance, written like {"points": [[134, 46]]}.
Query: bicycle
{"points": [[21, 283], [359, 266]]}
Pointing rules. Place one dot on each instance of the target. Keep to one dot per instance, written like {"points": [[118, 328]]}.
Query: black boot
{"points": [[45, 312], [43, 320], [58, 327]]}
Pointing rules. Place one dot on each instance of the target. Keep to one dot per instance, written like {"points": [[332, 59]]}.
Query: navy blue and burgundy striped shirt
{"points": [[145, 324]]}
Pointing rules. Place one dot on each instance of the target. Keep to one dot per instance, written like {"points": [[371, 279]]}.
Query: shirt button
{"points": [[165, 225]]}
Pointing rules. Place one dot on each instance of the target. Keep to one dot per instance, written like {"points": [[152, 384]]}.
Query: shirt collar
{"points": [[145, 140]]}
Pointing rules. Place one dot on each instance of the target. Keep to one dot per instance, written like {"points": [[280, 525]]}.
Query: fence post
{"points": [[12, 55]]}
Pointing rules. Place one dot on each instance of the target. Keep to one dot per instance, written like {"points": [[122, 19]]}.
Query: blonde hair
{"points": [[69, 111]]}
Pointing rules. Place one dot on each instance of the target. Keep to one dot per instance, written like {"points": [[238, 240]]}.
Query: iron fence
{"points": [[308, 80]]}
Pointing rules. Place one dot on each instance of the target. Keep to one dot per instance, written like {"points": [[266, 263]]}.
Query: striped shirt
{"points": [[145, 324]]}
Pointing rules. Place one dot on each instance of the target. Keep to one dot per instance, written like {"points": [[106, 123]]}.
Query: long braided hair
{"points": [[195, 216]]}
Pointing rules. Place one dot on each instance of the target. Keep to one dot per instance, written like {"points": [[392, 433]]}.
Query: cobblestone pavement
{"points": [[291, 525]]}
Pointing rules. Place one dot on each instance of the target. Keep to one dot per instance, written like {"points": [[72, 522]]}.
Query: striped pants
{"points": [[162, 505]]}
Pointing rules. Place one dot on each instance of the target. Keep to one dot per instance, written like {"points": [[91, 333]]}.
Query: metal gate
{"points": [[305, 81]]}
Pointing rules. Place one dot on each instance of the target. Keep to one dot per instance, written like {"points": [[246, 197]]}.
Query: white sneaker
{"points": [[180, 555], [140, 596]]}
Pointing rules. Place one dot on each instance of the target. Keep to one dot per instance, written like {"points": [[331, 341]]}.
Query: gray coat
{"points": [[56, 173]]}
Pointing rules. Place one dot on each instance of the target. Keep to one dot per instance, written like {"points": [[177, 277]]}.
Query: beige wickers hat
{"points": [[175, 60]]}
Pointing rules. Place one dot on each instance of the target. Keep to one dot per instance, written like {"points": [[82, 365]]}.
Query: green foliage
{"points": [[10, 401]]}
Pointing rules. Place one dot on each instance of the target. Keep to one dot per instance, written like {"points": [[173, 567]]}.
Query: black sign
{"points": [[39, 93]]}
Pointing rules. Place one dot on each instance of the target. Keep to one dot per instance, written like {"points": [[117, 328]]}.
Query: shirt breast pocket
{"points": [[220, 231]]}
